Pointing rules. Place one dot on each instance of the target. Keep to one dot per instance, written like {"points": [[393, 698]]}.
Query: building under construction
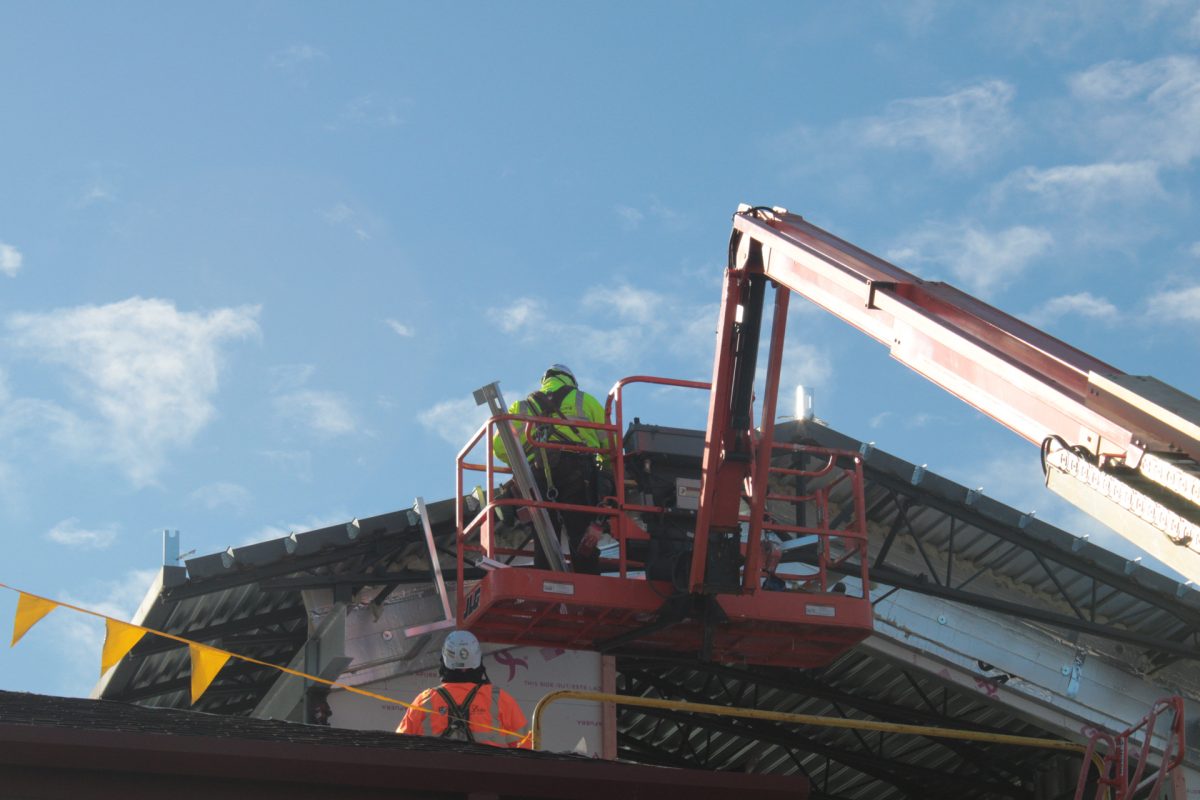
{"points": [[852, 624]]}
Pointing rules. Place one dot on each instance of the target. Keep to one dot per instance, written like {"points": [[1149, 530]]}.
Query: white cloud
{"points": [[372, 110], [1117, 80], [627, 302], [1013, 478], [1195, 250], [630, 216], [312, 523], [1088, 185], [296, 462], [121, 598], [338, 214], [342, 215], [922, 419], [1175, 305], [400, 328], [95, 193], [803, 365], [1069, 27], [144, 369], [1148, 110], [693, 334], [982, 261], [1053, 27], [298, 54], [23, 420], [1193, 28], [523, 314], [1081, 304], [68, 532], [631, 322], [957, 129], [222, 494], [326, 413], [455, 420], [10, 260], [916, 15], [11, 493], [880, 419], [286, 377]]}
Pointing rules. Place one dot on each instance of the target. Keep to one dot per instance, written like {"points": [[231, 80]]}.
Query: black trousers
{"points": [[575, 477]]}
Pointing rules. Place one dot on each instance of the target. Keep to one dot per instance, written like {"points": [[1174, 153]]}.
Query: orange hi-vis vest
{"points": [[491, 708]]}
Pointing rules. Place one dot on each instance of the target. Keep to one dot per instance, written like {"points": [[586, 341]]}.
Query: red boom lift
{"points": [[691, 569]]}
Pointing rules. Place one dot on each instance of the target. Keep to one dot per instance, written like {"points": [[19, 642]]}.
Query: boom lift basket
{"points": [[813, 521]]}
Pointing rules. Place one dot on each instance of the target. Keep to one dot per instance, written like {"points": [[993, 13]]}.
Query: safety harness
{"points": [[549, 404], [458, 715]]}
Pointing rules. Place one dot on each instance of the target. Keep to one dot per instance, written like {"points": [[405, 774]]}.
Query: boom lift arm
{"points": [[1124, 448]]}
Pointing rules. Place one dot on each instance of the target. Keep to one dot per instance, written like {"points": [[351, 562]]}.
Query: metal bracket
{"points": [[1074, 672], [448, 619]]}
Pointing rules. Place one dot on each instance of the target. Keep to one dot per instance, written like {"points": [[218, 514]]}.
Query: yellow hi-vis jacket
{"points": [[492, 708], [576, 404]]}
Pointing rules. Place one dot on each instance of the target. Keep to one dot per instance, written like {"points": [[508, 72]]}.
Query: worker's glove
{"points": [[590, 543]]}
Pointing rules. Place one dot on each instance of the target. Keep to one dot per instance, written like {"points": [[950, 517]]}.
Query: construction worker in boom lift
{"points": [[564, 476], [466, 706]]}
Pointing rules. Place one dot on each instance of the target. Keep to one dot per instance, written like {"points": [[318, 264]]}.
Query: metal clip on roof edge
{"points": [[918, 475]]}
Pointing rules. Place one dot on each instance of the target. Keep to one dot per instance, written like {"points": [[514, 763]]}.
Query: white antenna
{"points": [[804, 402]]}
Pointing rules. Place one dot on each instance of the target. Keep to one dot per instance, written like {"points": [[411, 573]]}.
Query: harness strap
{"points": [[550, 405], [458, 715]]}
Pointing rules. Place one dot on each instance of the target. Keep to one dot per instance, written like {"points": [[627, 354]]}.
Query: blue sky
{"points": [[255, 256]]}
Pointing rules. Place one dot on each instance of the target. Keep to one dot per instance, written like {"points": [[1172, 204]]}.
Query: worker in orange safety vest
{"points": [[466, 706]]}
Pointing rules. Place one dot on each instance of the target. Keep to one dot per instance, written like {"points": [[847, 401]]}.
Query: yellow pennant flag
{"points": [[29, 610], [206, 663], [119, 639]]}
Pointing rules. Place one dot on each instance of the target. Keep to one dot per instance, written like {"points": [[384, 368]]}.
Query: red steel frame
{"points": [[727, 474], [1116, 781]]}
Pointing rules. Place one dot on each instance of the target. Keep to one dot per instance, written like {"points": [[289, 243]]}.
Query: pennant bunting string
{"points": [[206, 663], [119, 639], [30, 609]]}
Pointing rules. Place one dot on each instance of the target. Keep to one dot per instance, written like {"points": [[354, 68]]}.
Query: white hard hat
{"points": [[563, 370], [461, 651]]}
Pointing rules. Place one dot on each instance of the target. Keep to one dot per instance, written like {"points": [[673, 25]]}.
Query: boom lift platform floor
{"points": [[541, 608]]}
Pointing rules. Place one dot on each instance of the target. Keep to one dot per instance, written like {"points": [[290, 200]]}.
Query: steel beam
{"points": [[914, 780], [1084, 566], [1034, 613], [804, 684], [151, 645], [372, 549]]}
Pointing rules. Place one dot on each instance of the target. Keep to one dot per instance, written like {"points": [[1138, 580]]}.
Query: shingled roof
{"points": [[52, 747]]}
